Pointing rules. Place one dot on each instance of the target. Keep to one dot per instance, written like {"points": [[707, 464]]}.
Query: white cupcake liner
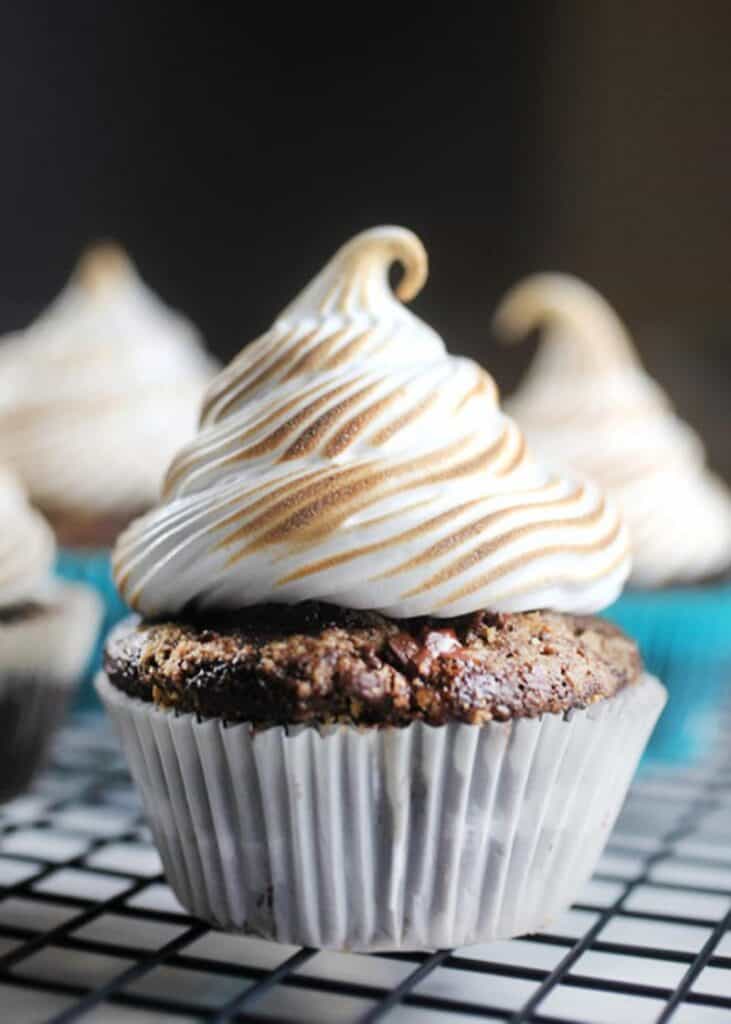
{"points": [[42, 656], [373, 839], [31, 708]]}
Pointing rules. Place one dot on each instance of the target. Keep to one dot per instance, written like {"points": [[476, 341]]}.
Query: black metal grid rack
{"points": [[90, 932]]}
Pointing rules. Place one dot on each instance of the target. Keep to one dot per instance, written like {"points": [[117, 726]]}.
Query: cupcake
{"points": [[94, 398], [47, 631], [365, 697], [587, 403]]}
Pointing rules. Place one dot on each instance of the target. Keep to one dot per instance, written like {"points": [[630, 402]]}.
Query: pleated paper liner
{"points": [[41, 659], [31, 709], [684, 634], [376, 839]]}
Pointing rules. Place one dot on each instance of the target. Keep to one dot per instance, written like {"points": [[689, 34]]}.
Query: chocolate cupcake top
{"points": [[318, 663], [346, 457], [588, 404], [27, 546], [99, 392]]}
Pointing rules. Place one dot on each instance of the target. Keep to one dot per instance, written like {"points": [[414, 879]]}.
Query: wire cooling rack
{"points": [[90, 932]]}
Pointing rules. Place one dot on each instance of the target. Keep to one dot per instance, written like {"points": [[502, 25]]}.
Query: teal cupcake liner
{"points": [[684, 635], [93, 567]]}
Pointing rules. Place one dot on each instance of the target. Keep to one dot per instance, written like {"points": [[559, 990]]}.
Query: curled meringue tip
{"points": [[568, 308], [378, 248], [372, 253], [102, 265], [356, 278]]}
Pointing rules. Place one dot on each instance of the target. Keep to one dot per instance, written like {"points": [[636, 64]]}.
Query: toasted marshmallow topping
{"points": [[345, 456], [587, 404], [97, 394], [27, 546]]}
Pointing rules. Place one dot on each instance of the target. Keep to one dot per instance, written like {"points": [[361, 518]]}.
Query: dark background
{"points": [[232, 153]]}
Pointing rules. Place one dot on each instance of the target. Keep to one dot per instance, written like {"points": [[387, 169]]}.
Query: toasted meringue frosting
{"points": [[97, 393], [588, 404], [344, 456], [27, 546]]}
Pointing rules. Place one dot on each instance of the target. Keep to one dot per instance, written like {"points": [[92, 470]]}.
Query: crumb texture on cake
{"points": [[276, 664]]}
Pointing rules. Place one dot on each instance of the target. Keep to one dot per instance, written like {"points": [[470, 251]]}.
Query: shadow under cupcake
{"points": [[442, 770]]}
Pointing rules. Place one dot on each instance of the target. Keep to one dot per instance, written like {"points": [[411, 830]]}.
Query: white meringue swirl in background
{"points": [[587, 404], [344, 456], [27, 546], [97, 393]]}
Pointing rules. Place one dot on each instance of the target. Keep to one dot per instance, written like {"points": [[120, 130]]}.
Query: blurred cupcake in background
{"points": [[94, 396], [47, 632], [588, 403]]}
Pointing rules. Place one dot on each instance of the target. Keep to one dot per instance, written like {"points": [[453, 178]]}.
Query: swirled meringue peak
{"points": [[97, 393], [27, 546], [344, 456], [587, 403]]}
